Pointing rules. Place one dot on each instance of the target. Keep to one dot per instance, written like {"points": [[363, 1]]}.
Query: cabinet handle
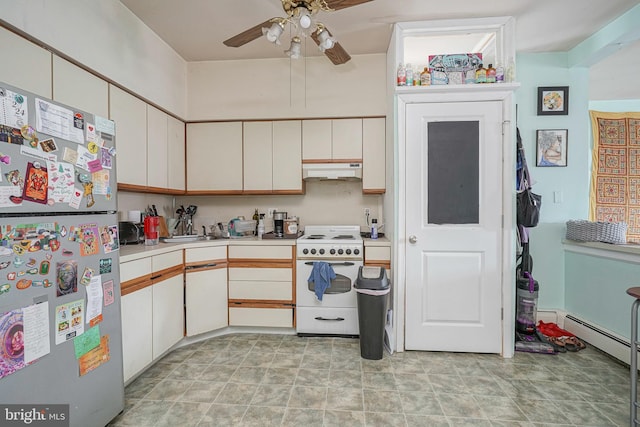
{"points": [[194, 267], [337, 319]]}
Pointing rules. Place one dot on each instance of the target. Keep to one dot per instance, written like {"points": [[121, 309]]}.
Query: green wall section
{"points": [[596, 290]]}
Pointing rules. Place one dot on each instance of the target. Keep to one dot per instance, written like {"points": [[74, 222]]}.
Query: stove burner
{"points": [[316, 236], [344, 237]]}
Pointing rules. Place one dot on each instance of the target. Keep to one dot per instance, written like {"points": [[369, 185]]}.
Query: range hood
{"points": [[331, 171]]}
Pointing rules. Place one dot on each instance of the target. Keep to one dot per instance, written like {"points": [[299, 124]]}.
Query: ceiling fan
{"points": [[301, 14]]}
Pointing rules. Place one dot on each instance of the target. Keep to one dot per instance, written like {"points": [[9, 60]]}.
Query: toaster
{"points": [[130, 233]]}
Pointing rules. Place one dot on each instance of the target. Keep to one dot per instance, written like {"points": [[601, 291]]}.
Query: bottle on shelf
{"points": [[499, 74], [256, 217], [481, 75], [470, 77], [261, 226], [510, 76], [402, 75], [491, 74], [416, 77], [409, 75], [425, 77], [374, 228]]}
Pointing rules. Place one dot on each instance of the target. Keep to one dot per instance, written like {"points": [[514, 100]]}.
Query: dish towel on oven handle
{"points": [[321, 275]]}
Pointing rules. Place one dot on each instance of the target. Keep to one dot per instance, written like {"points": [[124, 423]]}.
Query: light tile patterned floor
{"points": [[285, 380]]}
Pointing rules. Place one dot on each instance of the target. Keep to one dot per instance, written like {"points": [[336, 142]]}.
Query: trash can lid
{"points": [[371, 278]]}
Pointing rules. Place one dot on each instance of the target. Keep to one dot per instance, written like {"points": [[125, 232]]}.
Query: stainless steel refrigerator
{"points": [[60, 325]]}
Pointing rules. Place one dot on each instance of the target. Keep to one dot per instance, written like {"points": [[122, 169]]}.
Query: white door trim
{"points": [[473, 93]]}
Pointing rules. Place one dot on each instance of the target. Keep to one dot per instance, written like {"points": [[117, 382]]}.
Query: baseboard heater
{"points": [[607, 341]]}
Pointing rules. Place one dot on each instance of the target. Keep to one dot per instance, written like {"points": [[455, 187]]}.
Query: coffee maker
{"points": [[278, 223]]}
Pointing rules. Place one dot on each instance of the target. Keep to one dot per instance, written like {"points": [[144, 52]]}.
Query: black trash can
{"points": [[373, 290]]}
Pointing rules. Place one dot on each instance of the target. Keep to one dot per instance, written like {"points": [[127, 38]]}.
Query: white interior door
{"points": [[453, 226]]}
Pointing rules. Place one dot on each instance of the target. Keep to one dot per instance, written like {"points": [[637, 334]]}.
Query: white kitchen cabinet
{"points": [[168, 312], [157, 148], [287, 156], [261, 286], [35, 74], [316, 139], [79, 88], [273, 157], [175, 155], [152, 309], [130, 116], [258, 156], [338, 140], [206, 289], [373, 156], [137, 325], [214, 158], [346, 139]]}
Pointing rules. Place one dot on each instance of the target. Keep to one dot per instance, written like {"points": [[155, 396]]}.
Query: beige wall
{"points": [[284, 88]]}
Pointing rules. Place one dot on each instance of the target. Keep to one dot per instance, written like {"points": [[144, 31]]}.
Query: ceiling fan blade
{"points": [[247, 36], [336, 54], [343, 4]]}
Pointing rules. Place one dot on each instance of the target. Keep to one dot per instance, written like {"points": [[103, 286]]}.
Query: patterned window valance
{"points": [[615, 176]]}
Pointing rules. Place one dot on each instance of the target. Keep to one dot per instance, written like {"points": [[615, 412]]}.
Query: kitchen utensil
{"points": [[155, 211]]}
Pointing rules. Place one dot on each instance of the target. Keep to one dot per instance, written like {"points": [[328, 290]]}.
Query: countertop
{"points": [[134, 252]]}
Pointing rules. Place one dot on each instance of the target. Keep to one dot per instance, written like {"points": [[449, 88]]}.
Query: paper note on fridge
{"points": [[87, 341], [58, 121]]}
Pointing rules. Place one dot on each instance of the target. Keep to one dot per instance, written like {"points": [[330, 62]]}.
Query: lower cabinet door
{"points": [[168, 314], [265, 317], [137, 320], [206, 300]]}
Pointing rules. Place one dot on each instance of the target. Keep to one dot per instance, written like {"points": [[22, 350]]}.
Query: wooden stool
{"points": [[634, 292]]}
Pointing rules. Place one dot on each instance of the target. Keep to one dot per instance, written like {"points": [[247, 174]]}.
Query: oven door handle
{"points": [[346, 263], [337, 319]]}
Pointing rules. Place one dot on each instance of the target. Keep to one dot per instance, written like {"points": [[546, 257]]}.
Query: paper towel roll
{"points": [[134, 216]]}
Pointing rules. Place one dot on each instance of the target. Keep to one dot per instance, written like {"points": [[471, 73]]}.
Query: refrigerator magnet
{"points": [[36, 183], [66, 277], [86, 276]]}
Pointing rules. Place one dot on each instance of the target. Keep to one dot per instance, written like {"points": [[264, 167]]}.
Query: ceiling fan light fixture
{"points": [[303, 17], [295, 49], [325, 40], [273, 33]]}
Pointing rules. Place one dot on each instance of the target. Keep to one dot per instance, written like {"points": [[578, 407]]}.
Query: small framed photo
{"points": [[551, 147], [553, 101]]}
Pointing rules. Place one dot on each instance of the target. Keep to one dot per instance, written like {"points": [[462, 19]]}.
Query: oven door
{"points": [[339, 294]]}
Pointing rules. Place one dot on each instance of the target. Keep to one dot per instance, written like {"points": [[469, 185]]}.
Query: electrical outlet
{"points": [[367, 211], [270, 212]]}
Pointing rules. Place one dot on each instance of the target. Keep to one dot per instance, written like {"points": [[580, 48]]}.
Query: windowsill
{"points": [[627, 252]]}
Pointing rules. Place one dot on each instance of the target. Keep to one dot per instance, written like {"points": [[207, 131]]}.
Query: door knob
{"points": [[413, 239]]}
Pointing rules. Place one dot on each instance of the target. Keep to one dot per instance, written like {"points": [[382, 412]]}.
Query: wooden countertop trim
{"points": [[167, 273], [309, 161], [135, 284], [378, 263], [219, 263], [241, 303], [260, 263]]}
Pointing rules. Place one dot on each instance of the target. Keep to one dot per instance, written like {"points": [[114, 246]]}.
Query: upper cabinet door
{"points": [[373, 156], [316, 140], [287, 155], [34, 75], [257, 154], [130, 115], [157, 146], [214, 157], [176, 159], [347, 139], [79, 88]]}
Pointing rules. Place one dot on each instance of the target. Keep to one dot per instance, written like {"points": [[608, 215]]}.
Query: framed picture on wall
{"points": [[551, 147], [553, 101]]}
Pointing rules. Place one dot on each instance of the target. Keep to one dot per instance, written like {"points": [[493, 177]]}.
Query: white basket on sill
{"points": [[596, 231]]}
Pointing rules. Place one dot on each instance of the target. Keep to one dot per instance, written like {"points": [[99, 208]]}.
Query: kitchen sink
{"points": [[183, 238]]}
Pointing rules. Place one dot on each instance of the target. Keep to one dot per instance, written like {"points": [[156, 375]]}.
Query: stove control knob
{"points": [[356, 251], [305, 251], [348, 251], [340, 251], [321, 251], [332, 251], [313, 251]]}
